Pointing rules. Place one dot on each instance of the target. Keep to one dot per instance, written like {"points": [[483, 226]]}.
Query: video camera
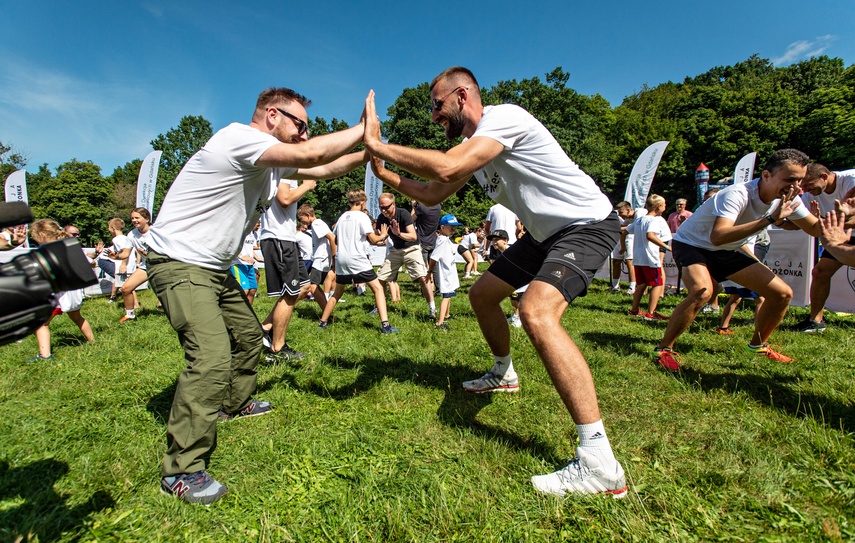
{"points": [[29, 281]]}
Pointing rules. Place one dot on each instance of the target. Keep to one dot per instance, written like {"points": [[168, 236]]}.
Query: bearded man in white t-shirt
{"points": [[571, 229], [211, 206]]}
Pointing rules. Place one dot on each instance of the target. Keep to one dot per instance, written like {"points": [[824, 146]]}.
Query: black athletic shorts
{"points": [[827, 254], [567, 260], [361, 277], [283, 267], [317, 277], [721, 264]]}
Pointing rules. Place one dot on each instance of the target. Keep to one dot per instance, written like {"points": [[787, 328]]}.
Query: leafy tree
{"points": [[78, 194], [124, 182], [11, 160], [178, 145]]}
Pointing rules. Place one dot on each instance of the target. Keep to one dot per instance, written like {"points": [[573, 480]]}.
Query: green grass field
{"points": [[373, 439]]}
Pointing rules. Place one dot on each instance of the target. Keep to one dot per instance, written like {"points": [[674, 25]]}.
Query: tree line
{"points": [[715, 117]]}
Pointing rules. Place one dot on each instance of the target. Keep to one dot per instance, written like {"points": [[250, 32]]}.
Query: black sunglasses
{"points": [[384, 208], [437, 104], [302, 127]]}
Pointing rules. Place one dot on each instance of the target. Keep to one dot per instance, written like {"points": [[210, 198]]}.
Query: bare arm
{"points": [[429, 193], [331, 238], [336, 168], [409, 234], [654, 239], [725, 231], [286, 196]]}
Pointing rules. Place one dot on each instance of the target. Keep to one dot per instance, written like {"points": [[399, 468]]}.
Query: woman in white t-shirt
{"points": [[141, 219]]}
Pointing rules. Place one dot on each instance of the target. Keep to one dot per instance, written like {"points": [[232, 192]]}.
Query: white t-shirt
{"points": [[138, 242], [216, 199], [304, 243], [645, 252], [502, 218], [533, 177], [445, 269], [321, 244], [845, 182], [246, 255], [628, 254], [120, 243], [740, 203], [351, 232], [469, 240], [280, 222]]}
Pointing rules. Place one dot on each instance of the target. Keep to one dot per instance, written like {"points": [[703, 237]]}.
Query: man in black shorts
{"points": [[571, 229]]}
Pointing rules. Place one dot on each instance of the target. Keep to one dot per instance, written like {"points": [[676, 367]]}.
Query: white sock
{"points": [[130, 313], [615, 282], [632, 284], [432, 306], [592, 438], [503, 366]]}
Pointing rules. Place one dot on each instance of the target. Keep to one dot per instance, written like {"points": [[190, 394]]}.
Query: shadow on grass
{"points": [[459, 409], [161, 403], [775, 393], [44, 514]]}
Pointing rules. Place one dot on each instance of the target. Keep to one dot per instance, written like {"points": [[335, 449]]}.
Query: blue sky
{"points": [[98, 80]]}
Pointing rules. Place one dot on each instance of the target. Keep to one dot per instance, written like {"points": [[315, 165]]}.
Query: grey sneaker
{"points": [[808, 326], [38, 358], [490, 382], [285, 354], [583, 475], [711, 309], [373, 311], [196, 487], [254, 409], [388, 329]]}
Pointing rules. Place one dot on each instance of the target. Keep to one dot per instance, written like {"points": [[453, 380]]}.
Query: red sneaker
{"points": [[768, 352], [657, 317], [668, 359]]}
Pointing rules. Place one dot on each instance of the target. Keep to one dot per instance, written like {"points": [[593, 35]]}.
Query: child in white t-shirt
{"points": [[651, 234], [45, 231], [444, 268]]}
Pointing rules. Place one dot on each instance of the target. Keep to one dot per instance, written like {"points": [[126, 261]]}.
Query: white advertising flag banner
{"points": [[790, 257], [744, 171], [16, 187], [841, 297], [373, 190], [147, 181], [642, 174]]}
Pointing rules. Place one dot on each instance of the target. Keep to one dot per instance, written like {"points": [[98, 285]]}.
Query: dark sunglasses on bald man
{"points": [[302, 127]]}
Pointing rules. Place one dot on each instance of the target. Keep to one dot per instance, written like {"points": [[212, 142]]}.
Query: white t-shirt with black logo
{"points": [[534, 177]]}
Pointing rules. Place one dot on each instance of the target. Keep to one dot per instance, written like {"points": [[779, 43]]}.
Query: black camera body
{"points": [[29, 281]]}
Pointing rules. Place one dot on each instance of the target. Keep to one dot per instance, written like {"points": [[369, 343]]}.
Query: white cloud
{"points": [[803, 49]]}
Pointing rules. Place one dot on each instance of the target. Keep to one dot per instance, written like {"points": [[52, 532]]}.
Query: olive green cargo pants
{"points": [[221, 337]]}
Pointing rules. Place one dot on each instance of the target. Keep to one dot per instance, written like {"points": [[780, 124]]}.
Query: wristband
{"points": [[770, 219]]}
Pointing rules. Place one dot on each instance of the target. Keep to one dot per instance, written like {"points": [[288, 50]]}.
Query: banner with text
{"points": [[642, 174], [16, 187], [373, 190], [147, 181]]}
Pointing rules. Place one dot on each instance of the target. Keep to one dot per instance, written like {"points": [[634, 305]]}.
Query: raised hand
{"points": [[832, 229], [372, 123]]}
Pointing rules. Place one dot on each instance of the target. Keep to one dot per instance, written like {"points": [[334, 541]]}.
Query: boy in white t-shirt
{"points": [[323, 253], [651, 233], [122, 249], [352, 264], [444, 268]]}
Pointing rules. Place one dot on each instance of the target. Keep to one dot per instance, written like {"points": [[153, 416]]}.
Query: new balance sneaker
{"points": [[768, 352], [808, 326], [196, 487], [254, 409], [490, 382], [515, 321], [584, 474], [724, 331], [126, 318], [388, 329], [38, 358], [667, 358]]}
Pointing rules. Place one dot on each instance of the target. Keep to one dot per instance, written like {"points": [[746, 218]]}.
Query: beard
{"points": [[456, 123]]}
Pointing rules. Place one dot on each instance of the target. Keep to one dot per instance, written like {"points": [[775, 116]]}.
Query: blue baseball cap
{"points": [[449, 220]]}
